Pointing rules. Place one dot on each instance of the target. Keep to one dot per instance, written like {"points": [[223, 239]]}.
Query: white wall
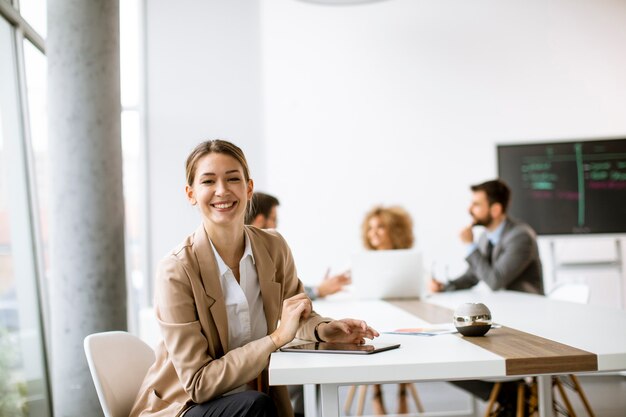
{"points": [[395, 102], [403, 102], [203, 82]]}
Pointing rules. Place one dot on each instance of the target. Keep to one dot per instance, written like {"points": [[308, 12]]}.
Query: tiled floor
{"points": [[606, 393]]}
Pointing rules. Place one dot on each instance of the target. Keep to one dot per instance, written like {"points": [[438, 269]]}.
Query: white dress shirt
{"points": [[244, 304]]}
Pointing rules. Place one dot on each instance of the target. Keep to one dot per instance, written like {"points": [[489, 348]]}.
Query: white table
{"points": [[449, 357]]}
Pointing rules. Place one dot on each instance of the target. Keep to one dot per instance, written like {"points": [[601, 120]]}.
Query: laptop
{"points": [[381, 274]]}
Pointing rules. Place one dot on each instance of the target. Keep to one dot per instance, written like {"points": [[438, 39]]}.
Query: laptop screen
{"points": [[380, 274]]}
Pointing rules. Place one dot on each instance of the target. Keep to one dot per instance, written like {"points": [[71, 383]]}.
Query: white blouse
{"points": [[244, 304]]}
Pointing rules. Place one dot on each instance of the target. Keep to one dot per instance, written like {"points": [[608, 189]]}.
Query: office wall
{"points": [[403, 102], [395, 102], [203, 82]]}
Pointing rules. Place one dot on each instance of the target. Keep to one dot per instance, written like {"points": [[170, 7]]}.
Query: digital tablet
{"points": [[325, 347]]}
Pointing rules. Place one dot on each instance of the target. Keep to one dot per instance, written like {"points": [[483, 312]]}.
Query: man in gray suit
{"points": [[506, 255]]}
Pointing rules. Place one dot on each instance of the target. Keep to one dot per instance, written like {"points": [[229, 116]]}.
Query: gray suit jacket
{"points": [[515, 262]]}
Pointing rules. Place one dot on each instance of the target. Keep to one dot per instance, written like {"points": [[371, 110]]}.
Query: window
{"points": [[23, 374], [34, 12], [133, 150], [24, 158]]}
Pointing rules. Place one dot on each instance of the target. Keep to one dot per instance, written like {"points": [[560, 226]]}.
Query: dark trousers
{"points": [[242, 404], [480, 389]]}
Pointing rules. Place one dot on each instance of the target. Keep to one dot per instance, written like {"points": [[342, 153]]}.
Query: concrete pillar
{"points": [[87, 285]]}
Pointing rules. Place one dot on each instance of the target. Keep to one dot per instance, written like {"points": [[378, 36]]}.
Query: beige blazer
{"points": [[193, 362]]}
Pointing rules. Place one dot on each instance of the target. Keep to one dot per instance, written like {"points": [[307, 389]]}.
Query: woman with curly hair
{"points": [[386, 228]]}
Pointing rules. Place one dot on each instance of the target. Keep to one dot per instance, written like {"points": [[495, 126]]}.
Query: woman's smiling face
{"points": [[378, 234], [220, 189]]}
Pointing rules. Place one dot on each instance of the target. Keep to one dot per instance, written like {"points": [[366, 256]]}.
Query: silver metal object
{"points": [[472, 319]]}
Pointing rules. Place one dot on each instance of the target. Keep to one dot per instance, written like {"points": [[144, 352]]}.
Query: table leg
{"points": [[544, 383], [310, 400], [330, 400]]}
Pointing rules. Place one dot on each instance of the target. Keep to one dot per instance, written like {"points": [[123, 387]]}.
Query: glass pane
{"points": [[36, 86], [23, 380], [34, 12], [133, 153], [130, 56], [133, 196]]}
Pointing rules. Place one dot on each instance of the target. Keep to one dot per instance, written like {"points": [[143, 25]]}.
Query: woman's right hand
{"points": [[295, 309]]}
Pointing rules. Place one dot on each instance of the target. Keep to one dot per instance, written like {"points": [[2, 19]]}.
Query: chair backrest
{"points": [[571, 291], [118, 362]]}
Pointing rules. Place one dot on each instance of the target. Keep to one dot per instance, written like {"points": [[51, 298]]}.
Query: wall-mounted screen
{"points": [[567, 187]]}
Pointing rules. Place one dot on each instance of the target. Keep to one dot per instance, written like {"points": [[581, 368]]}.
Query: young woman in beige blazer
{"points": [[208, 295]]}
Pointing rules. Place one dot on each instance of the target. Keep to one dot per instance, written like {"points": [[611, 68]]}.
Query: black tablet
{"points": [[325, 347]]}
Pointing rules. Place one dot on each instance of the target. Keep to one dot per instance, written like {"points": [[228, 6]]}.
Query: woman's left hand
{"points": [[346, 331]]}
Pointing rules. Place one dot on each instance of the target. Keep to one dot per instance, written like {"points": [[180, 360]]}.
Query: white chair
{"points": [[118, 362]]}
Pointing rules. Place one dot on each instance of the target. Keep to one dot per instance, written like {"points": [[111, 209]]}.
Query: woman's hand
{"points": [[346, 331], [295, 309]]}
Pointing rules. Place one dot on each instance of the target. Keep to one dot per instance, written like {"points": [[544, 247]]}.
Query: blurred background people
{"points": [[263, 213], [388, 228]]}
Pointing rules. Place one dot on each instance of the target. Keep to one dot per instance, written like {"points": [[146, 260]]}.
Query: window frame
{"points": [[21, 32]]}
